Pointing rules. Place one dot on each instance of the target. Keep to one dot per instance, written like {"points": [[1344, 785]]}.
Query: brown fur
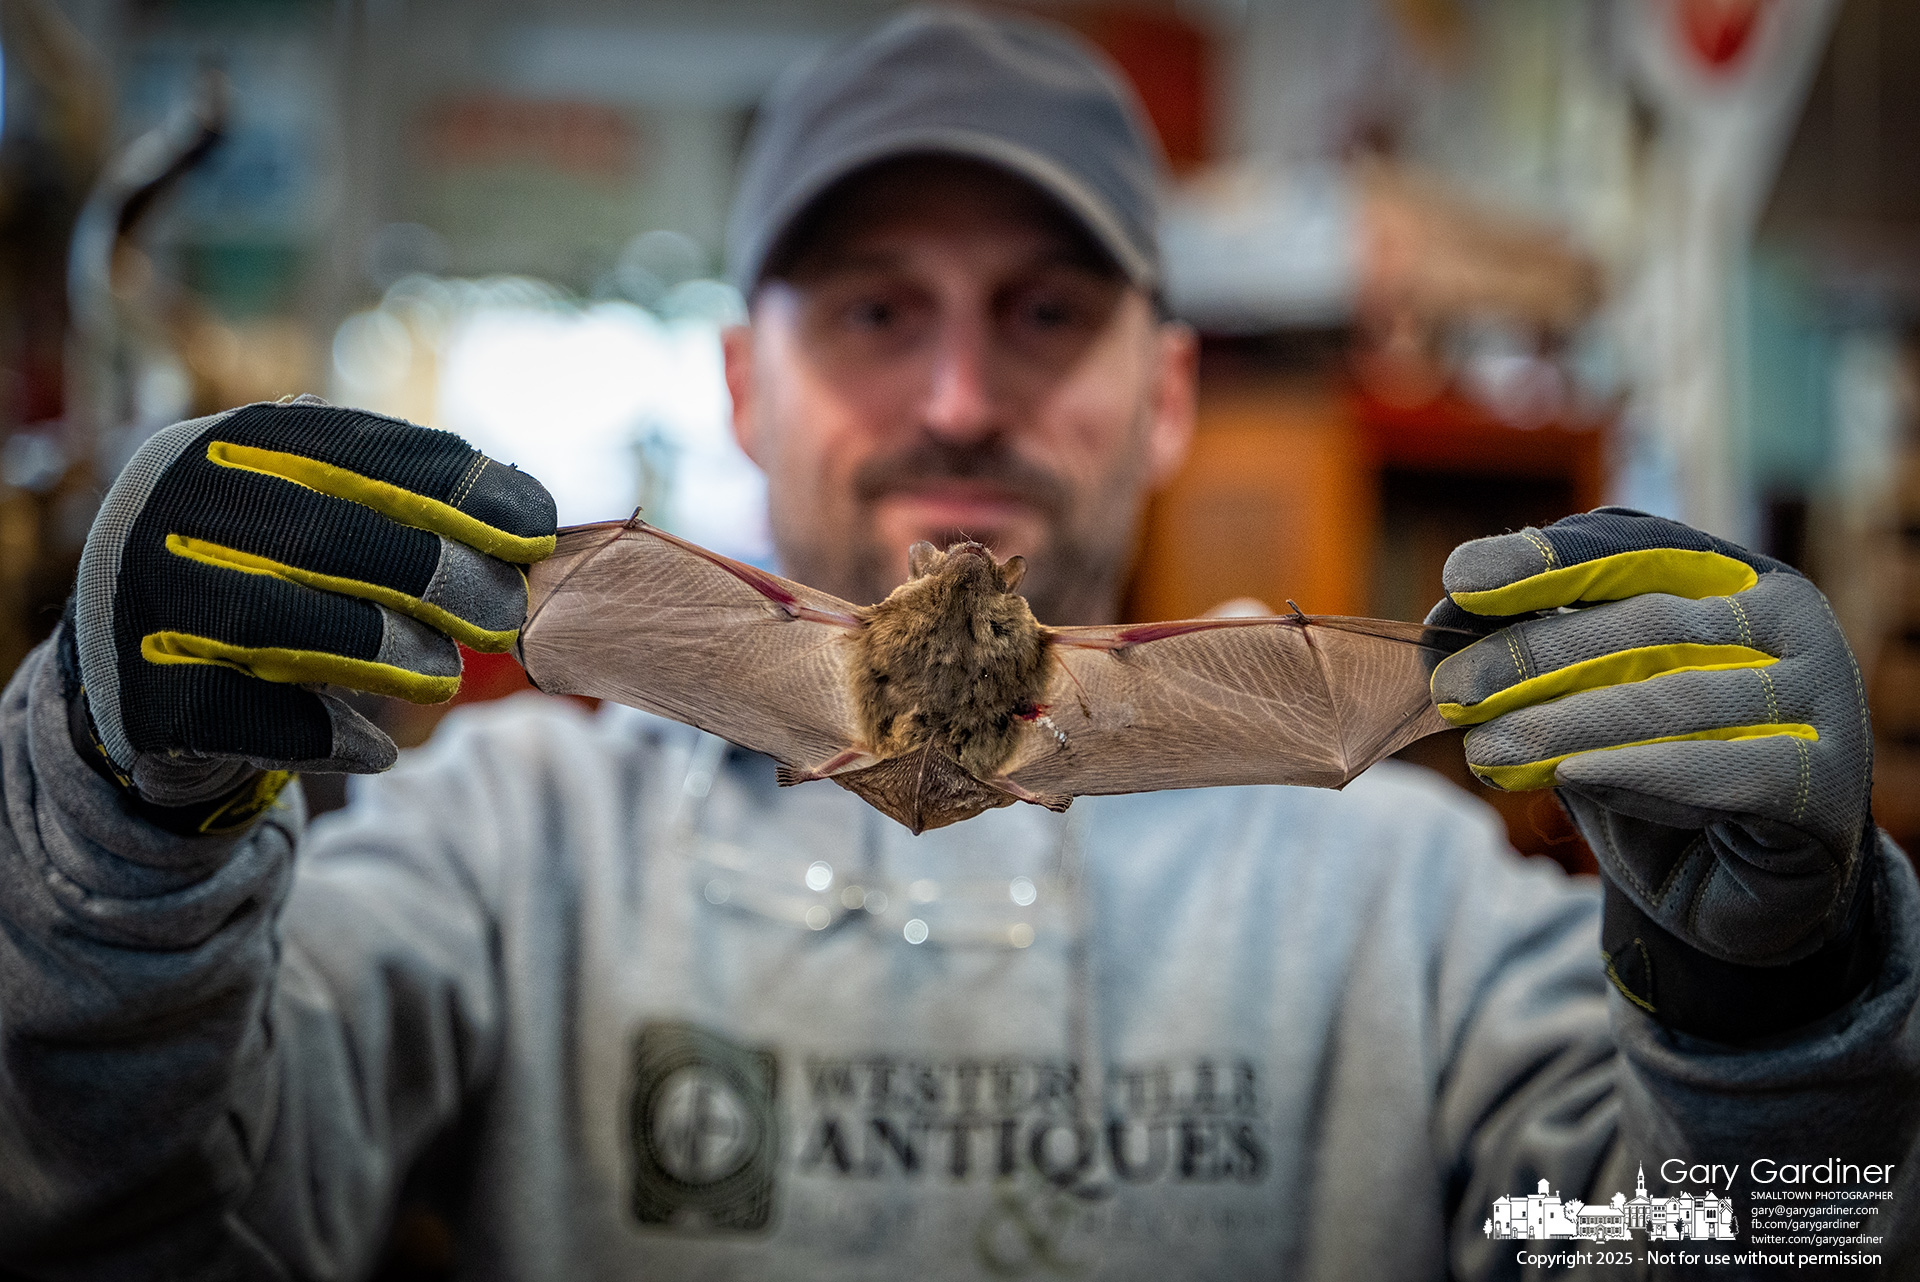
{"points": [[952, 659]]}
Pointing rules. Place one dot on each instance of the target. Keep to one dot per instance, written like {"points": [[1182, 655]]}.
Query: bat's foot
{"points": [[851, 759], [1053, 801]]}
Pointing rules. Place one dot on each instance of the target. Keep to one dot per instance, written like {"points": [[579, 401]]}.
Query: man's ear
{"points": [[1175, 406], [736, 354]]}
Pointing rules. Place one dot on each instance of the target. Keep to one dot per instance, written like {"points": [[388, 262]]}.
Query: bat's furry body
{"points": [[953, 656], [949, 697], [949, 666]]}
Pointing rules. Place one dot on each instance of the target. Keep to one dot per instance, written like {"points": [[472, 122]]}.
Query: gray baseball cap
{"points": [[1026, 96]]}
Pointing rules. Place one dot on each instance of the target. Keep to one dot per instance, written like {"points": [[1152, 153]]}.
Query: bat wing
{"points": [[628, 612], [1296, 700]]}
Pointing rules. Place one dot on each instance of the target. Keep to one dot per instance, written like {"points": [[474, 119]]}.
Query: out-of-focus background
{"points": [[1459, 265]]}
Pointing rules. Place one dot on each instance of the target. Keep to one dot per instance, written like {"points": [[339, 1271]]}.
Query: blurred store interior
{"points": [[1459, 266]]}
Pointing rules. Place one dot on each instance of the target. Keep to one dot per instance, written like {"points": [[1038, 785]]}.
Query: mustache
{"points": [[989, 463]]}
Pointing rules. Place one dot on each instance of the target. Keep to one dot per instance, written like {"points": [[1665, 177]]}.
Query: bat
{"points": [[949, 698]]}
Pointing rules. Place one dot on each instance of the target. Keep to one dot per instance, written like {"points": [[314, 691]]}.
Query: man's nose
{"points": [[960, 400]]}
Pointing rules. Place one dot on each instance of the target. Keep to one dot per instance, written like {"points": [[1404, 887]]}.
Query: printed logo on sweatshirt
{"points": [[704, 1130], [704, 1126], [875, 1117]]}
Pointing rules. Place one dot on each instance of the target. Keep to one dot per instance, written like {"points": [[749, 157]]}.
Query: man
{"points": [[627, 1007]]}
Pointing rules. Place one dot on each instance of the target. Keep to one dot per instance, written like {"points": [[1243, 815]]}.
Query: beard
{"points": [[1073, 577]]}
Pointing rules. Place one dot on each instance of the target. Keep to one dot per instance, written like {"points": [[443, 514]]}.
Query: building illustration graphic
{"points": [[1541, 1216]]}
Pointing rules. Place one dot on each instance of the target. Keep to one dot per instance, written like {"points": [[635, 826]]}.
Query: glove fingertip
{"points": [[359, 747], [514, 502], [1482, 565]]}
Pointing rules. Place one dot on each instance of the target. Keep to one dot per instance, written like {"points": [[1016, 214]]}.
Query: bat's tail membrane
{"points": [[923, 789]]}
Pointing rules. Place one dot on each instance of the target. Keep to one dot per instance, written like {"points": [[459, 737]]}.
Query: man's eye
{"points": [[873, 314], [1048, 313]]}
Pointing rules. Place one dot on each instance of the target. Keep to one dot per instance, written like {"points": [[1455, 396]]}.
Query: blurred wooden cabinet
{"points": [[1304, 488], [1275, 502]]}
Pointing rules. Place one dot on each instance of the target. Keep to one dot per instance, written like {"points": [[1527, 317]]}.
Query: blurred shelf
{"points": [[1304, 487], [1452, 434]]}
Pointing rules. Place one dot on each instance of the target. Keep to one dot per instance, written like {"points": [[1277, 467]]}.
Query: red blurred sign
{"points": [[1718, 33]]}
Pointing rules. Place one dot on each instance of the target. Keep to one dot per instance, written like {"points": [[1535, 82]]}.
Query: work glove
{"points": [[243, 562], [1706, 726]]}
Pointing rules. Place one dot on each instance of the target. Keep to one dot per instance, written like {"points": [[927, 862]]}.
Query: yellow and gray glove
{"points": [[1706, 726], [244, 561]]}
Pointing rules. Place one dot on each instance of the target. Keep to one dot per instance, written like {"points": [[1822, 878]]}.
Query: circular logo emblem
{"points": [[702, 1130]]}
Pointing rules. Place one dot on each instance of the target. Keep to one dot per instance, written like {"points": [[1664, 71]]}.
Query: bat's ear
{"points": [[1012, 570], [922, 559]]}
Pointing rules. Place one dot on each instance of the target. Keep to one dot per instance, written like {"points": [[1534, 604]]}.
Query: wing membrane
{"points": [[628, 612], [1205, 702]]}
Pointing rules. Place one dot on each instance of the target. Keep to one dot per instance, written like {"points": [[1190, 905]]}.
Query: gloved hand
{"points": [[242, 561], [1705, 724]]}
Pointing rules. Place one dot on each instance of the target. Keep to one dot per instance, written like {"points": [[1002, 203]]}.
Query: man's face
{"points": [[944, 359]]}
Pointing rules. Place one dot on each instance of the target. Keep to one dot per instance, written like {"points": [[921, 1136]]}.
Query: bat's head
{"points": [[970, 563]]}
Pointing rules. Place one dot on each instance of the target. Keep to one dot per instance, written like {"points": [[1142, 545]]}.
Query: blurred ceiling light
{"points": [[371, 351], [609, 405], [424, 304], [610, 408]]}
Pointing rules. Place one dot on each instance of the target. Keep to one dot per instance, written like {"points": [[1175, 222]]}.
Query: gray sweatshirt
{"points": [[648, 1015]]}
